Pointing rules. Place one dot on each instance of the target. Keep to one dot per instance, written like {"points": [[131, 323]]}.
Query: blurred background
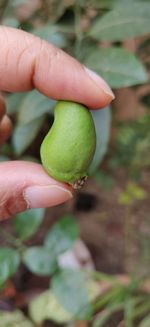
{"points": [[87, 262]]}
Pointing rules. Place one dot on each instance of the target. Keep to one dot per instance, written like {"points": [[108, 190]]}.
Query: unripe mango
{"points": [[69, 147]]}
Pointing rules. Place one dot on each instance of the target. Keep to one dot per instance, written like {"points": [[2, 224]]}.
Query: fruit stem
{"points": [[79, 183]]}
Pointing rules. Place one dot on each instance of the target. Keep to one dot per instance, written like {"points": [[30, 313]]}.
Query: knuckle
{"points": [[50, 52], [47, 55], [20, 57]]}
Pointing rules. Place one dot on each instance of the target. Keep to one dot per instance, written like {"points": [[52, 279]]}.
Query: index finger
{"points": [[28, 62]]}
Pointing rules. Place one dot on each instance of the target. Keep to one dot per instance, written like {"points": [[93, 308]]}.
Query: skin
{"points": [[69, 147], [27, 62]]}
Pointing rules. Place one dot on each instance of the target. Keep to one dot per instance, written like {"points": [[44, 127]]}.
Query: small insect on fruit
{"points": [[69, 147]]}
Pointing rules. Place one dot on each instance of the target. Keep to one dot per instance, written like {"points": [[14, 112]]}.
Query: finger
{"points": [[2, 107], [5, 129], [28, 62], [25, 185]]}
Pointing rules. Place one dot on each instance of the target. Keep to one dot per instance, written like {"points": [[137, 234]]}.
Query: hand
{"points": [[27, 62]]}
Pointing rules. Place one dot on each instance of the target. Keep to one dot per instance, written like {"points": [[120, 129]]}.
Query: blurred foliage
{"points": [[132, 145], [73, 294], [104, 179], [43, 260], [14, 319], [9, 263], [27, 223], [132, 193]]}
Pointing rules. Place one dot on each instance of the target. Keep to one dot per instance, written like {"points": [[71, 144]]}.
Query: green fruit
{"points": [[69, 147]]}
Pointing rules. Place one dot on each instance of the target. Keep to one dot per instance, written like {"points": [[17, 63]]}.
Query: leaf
{"points": [[69, 287], [103, 4], [27, 223], [11, 22], [39, 260], [129, 307], [125, 21], [102, 121], [117, 66], [50, 33], [13, 102], [142, 309], [23, 135], [62, 235], [104, 316], [9, 263], [46, 306], [145, 322], [33, 106], [14, 319], [4, 158]]}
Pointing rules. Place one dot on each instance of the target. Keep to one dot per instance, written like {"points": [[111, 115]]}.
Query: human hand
{"points": [[28, 62]]}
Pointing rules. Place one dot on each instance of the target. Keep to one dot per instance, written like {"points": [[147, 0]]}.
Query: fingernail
{"points": [[100, 82], [46, 196]]}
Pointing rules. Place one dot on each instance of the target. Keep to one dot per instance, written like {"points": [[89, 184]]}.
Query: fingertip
{"points": [[46, 196], [104, 93]]}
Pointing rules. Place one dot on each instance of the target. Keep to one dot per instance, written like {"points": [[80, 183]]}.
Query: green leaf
{"points": [[9, 263], [27, 223], [69, 287], [13, 102], [39, 260], [4, 158], [129, 307], [33, 106], [142, 309], [23, 135], [145, 322], [11, 22], [14, 319], [46, 306], [125, 21], [51, 33], [117, 66], [62, 235], [103, 4], [104, 316], [102, 121]]}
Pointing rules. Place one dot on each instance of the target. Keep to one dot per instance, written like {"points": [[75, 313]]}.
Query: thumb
{"points": [[25, 185]]}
